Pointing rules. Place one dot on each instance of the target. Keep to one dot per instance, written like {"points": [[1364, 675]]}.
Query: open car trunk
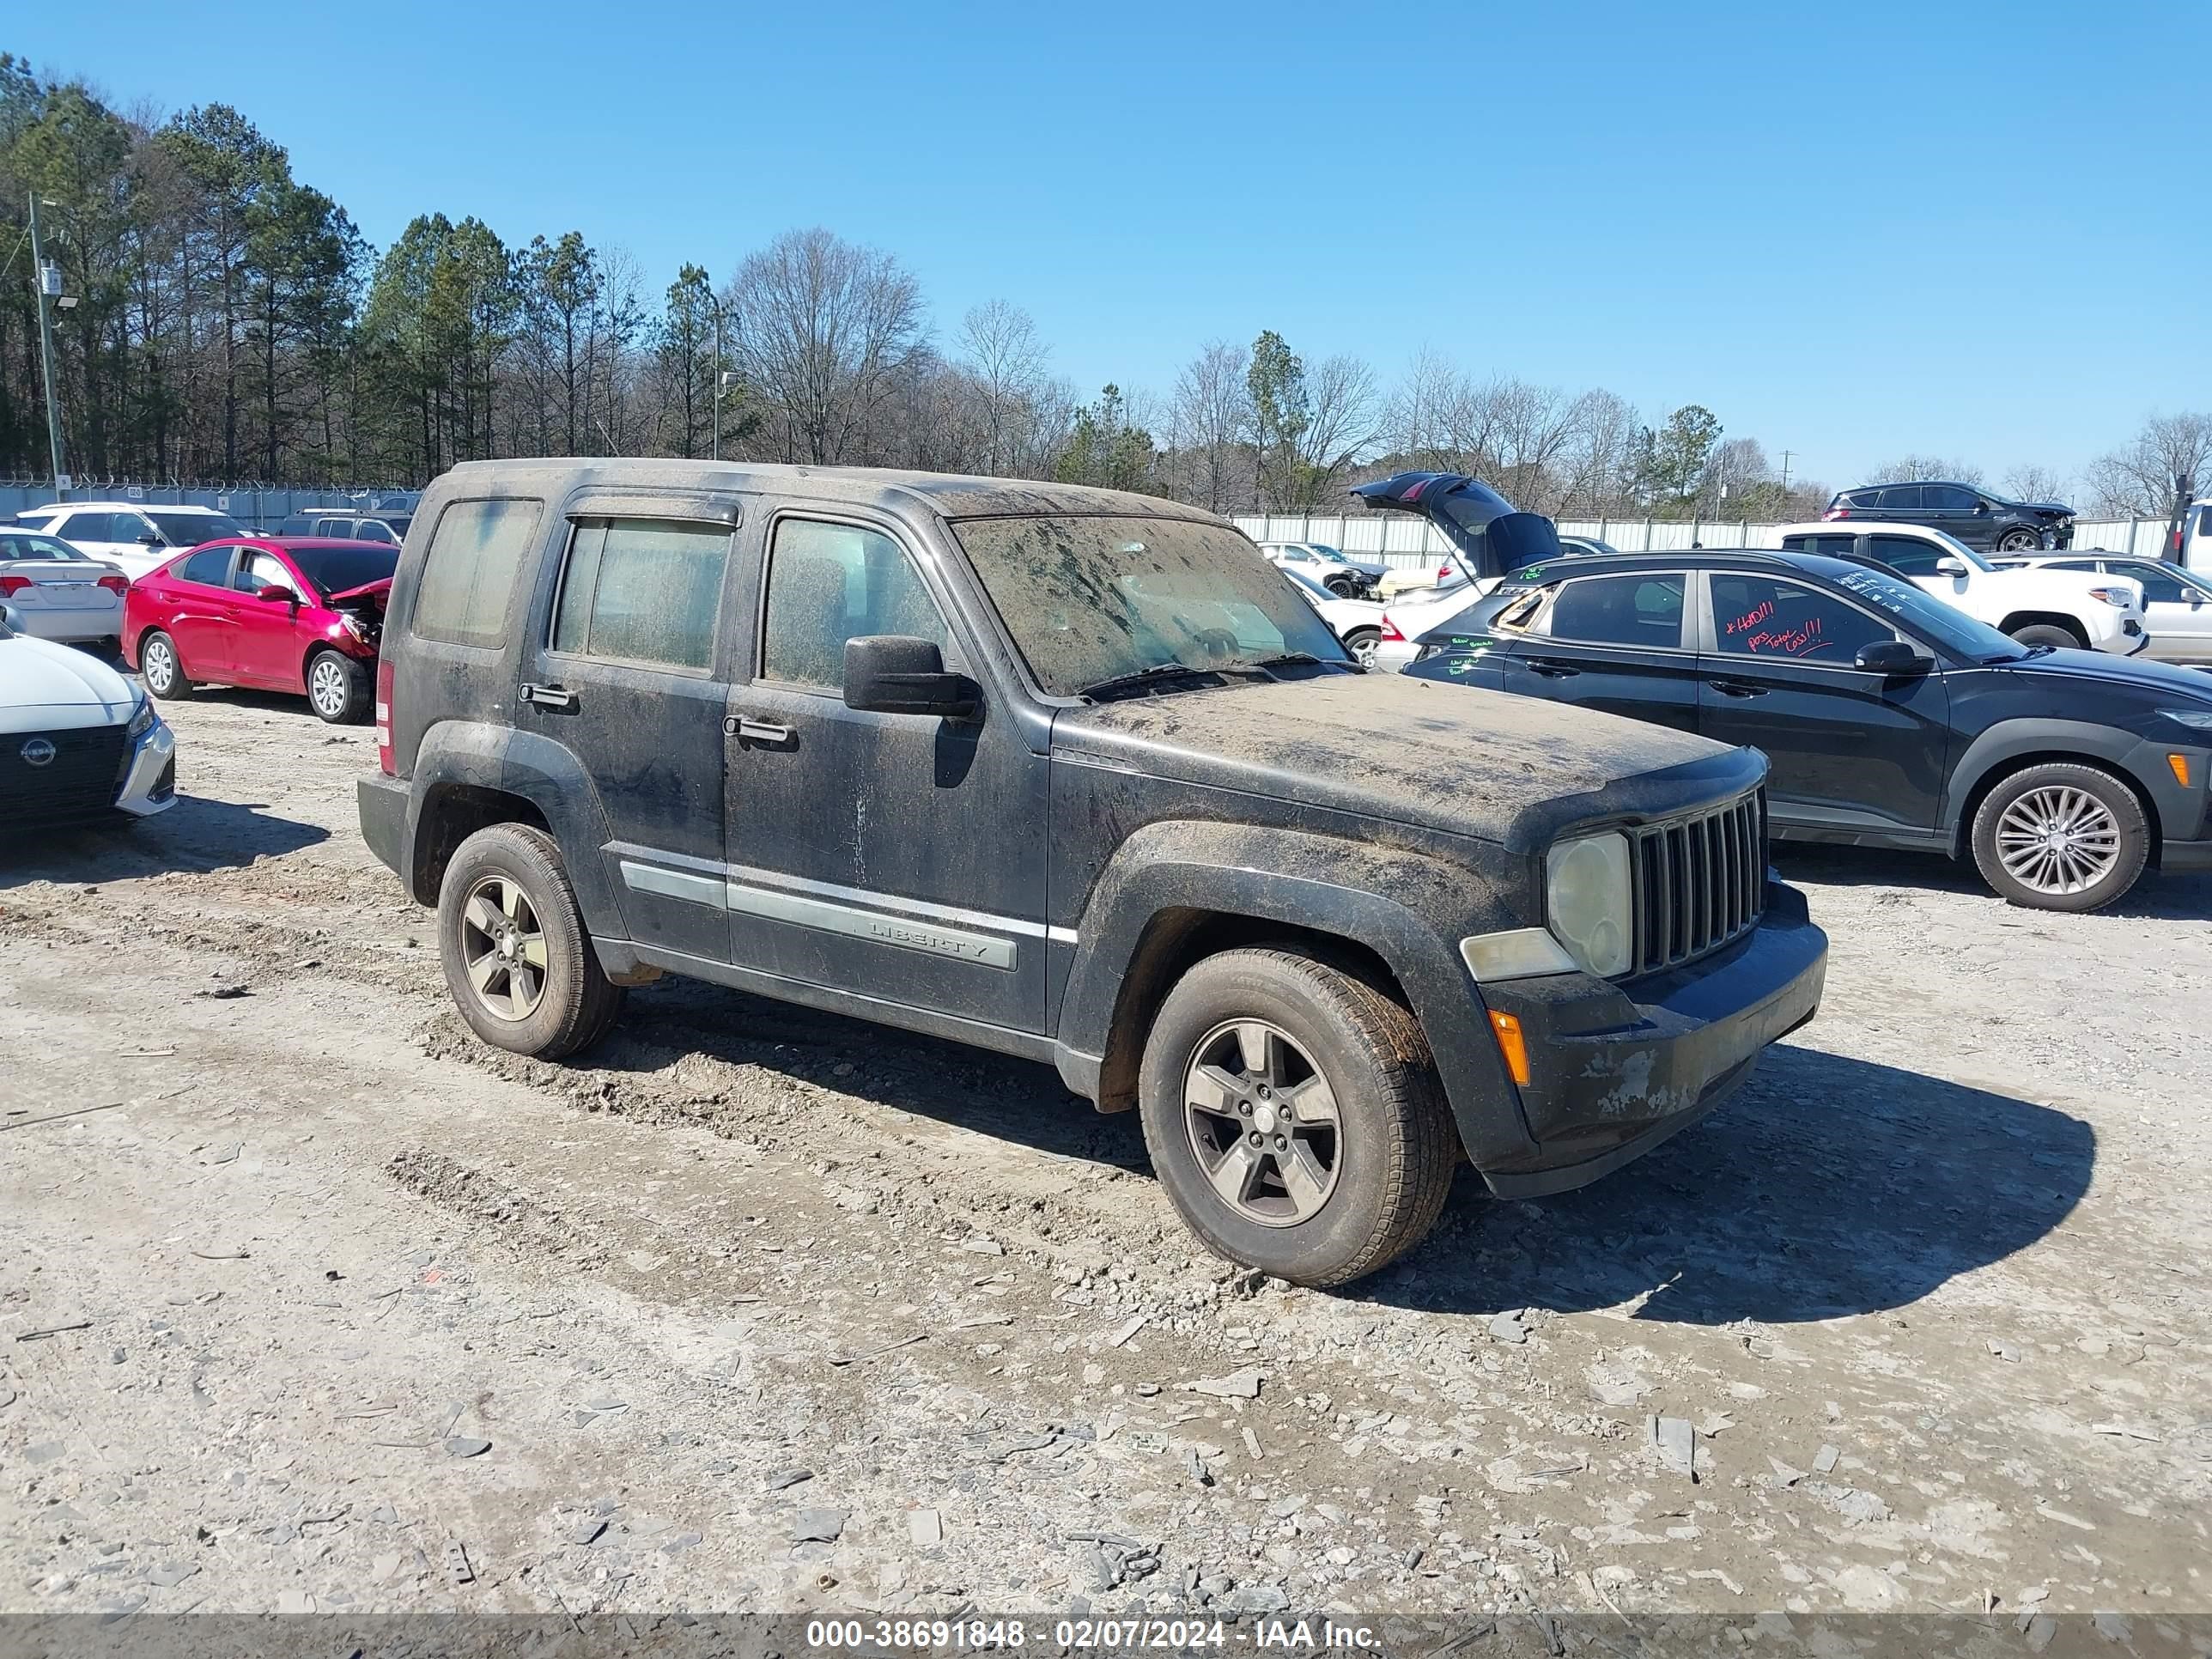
{"points": [[1489, 537]]}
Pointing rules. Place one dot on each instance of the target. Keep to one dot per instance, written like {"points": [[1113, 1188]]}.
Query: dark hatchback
{"points": [[1888, 718], [1976, 518]]}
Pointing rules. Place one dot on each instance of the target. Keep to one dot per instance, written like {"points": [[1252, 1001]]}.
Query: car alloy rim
{"points": [[504, 948], [2059, 840], [160, 665], [1263, 1122], [1364, 654], [327, 686]]}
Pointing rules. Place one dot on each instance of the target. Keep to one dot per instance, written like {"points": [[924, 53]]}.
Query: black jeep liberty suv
{"points": [[1075, 775]]}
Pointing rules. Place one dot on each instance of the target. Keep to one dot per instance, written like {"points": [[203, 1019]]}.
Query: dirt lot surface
{"points": [[322, 1304]]}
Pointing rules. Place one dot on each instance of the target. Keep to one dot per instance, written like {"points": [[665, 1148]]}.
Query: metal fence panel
{"points": [[258, 509]]}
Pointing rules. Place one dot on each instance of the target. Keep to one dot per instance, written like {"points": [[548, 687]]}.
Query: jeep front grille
{"points": [[1701, 882]]}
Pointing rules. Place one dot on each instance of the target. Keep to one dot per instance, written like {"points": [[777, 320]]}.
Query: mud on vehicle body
{"points": [[1070, 775]]}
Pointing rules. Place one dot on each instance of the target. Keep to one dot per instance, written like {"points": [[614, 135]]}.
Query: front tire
{"points": [[2019, 541], [517, 956], [162, 668], [1294, 1116], [2050, 634], [2062, 837], [337, 688]]}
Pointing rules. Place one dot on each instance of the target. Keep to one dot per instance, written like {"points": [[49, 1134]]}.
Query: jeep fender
{"points": [[1409, 910], [471, 754], [2139, 760]]}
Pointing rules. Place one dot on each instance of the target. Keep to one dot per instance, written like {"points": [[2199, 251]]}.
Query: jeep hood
{"points": [[1500, 768]]}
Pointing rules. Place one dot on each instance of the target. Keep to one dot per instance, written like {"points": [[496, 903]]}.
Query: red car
{"points": [[287, 614]]}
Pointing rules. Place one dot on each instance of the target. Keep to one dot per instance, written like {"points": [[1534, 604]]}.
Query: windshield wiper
{"points": [[1288, 660], [1143, 676]]}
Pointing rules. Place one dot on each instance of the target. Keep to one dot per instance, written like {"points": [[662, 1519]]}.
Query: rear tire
{"points": [[1294, 1116], [337, 688], [162, 668], [2062, 837], [518, 958], [2063, 639], [1361, 642]]}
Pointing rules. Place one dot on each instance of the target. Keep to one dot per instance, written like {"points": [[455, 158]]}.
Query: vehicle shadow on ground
{"points": [[2181, 895], [197, 834], [1013, 1100], [1828, 1186]]}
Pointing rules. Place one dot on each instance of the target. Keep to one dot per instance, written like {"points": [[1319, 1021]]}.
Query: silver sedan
{"points": [[56, 592]]}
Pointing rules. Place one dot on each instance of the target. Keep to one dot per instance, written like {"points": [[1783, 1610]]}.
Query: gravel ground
{"points": [[317, 1304]]}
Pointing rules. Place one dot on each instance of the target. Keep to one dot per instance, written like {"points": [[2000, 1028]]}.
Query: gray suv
{"points": [[1070, 774]]}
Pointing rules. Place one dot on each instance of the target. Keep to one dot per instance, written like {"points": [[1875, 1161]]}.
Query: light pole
{"points": [[47, 279], [715, 301]]}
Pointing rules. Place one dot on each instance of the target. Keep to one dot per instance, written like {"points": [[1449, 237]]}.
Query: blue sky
{"points": [[1851, 231]]}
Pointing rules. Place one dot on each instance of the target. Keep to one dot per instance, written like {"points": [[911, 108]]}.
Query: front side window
{"points": [[1908, 556], [638, 590], [210, 567], [828, 583], [1952, 499], [1760, 616], [1901, 498], [1092, 599], [1637, 610], [469, 572], [262, 570], [374, 530]]}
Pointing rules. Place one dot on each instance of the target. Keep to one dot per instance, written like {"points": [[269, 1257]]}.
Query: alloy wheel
{"points": [[504, 948], [326, 686], [1263, 1123], [2057, 840], [159, 666]]}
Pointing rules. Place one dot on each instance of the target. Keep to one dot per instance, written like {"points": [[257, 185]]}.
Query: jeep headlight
{"points": [[2198, 718], [1587, 901], [142, 719]]}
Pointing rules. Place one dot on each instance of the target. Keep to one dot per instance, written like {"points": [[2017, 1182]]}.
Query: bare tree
{"points": [[1912, 468], [1339, 426], [2030, 482], [1209, 423], [1006, 361], [823, 329], [1598, 465], [2138, 482]]}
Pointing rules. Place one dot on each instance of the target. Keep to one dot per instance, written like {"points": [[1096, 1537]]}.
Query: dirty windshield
{"points": [[1092, 601]]}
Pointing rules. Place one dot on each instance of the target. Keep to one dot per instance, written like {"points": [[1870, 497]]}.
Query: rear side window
{"points": [[1635, 611], [828, 583], [637, 590], [88, 527], [1759, 616], [469, 572], [211, 566]]}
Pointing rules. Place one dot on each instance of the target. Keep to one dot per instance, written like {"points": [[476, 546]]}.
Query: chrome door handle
{"points": [[550, 696], [747, 730]]}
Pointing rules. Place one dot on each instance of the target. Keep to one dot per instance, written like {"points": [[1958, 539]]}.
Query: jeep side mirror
{"points": [[277, 593], [1892, 658], [1950, 567], [897, 674]]}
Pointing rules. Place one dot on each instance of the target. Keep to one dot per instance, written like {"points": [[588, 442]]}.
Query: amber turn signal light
{"points": [[1512, 1044], [2180, 765]]}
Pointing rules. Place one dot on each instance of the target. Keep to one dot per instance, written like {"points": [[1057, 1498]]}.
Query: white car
{"points": [[59, 592], [2069, 609], [79, 743], [1346, 578], [2176, 603], [1357, 623], [1413, 614], [130, 535]]}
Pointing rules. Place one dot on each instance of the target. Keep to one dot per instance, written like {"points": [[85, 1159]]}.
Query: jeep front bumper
{"points": [[1616, 1069]]}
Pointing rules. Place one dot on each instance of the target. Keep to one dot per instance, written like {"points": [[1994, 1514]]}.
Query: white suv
{"points": [[131, 534], [2063, 608]]}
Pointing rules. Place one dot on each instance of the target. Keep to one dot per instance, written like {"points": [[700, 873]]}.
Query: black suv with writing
{"points": [[1075, 775], [1889, 719]]}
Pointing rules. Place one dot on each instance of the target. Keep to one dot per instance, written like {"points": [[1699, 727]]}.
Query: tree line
{"points": [[231, 324]]}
